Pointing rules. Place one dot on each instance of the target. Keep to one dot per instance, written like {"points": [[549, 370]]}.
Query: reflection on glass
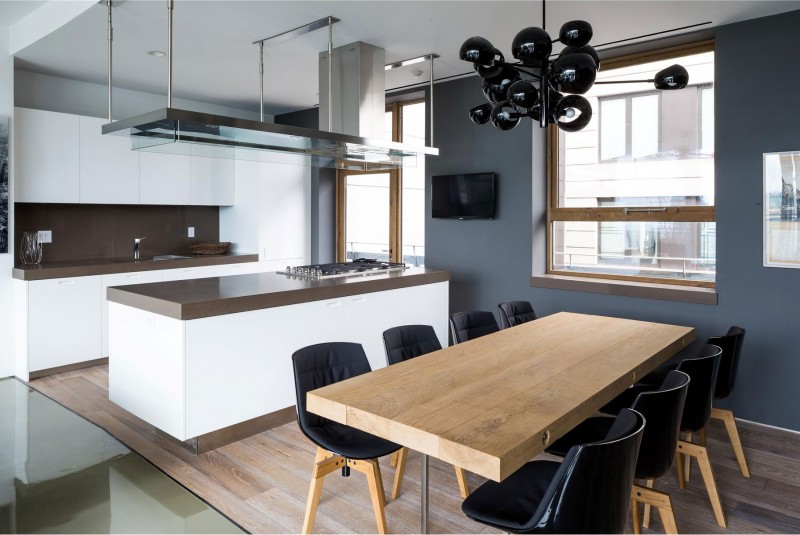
{"points": [[664, 249], [367, 221], [61, 474]]}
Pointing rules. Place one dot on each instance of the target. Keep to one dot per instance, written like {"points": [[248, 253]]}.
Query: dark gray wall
{"points": [[491, 261], [323, 194]]}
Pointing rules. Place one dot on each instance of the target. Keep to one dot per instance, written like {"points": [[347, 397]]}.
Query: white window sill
{"points": [[645, 290]]}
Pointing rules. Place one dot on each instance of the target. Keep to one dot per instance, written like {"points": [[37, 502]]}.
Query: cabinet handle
{"points": [[133, 276], [335, 304], [66, 282], [359, 300]]}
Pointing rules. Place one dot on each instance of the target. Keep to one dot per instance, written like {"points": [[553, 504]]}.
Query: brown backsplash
{"points": [[88, 231]]}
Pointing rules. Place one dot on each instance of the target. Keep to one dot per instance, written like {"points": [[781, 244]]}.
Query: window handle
{"points": [[627, 211]]}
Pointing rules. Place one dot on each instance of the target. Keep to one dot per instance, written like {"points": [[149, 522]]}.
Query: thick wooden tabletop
{"points": [[491, 404]]}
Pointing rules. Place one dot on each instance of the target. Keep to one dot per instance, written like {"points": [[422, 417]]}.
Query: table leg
{"points": [[423, 523]]}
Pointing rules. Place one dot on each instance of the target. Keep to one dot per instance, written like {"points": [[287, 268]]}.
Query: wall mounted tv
{"points": [[469, 196]]}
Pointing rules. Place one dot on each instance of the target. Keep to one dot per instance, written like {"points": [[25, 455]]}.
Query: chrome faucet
{"points": [[137, 242]]}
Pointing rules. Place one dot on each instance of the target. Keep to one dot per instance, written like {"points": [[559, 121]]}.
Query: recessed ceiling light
{"points": [[156, 53]]}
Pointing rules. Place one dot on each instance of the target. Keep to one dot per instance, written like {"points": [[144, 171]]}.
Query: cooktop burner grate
{"points": [[359, 266]]}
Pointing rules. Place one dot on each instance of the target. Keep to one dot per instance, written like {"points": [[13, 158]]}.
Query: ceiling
{"points": [[12, 11], [215, 61]]}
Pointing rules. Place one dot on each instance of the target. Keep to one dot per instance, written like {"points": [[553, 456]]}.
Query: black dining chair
{"points": [[338, 446], [465, 326], [731, 344], [662, 409], [513, 313], [589, 492], [404, 343], [702, 370]]}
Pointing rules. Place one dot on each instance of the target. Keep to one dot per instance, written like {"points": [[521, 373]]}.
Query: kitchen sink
{"points": [[170, 257]]}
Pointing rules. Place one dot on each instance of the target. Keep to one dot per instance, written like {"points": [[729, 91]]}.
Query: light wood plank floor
{"points": [[262, 482]]}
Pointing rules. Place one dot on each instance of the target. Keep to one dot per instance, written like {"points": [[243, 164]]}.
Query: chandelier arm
{"points": [[626, 82]]}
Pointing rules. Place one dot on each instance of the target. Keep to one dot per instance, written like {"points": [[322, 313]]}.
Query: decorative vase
{"points": [[30, 251]]}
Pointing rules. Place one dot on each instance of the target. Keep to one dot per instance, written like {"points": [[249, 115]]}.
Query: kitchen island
{"points": [[208, 361]]}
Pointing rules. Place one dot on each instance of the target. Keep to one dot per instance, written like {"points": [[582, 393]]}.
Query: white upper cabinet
{"points": [[46, 151], [109, 169], [212, 181], [164, 178]]}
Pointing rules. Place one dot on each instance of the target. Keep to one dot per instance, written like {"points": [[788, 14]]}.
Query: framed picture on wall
{"points": [[782, 209], [3, 184]]}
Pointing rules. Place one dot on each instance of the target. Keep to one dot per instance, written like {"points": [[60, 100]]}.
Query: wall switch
{"points": [[191, 232], [45, 236]]}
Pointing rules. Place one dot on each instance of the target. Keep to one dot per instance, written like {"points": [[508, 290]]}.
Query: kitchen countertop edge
{"points": [[114, 266], [155, 297]]}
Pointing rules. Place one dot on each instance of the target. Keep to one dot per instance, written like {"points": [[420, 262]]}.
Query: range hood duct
{"points": [[358, 106], [358, 92]]}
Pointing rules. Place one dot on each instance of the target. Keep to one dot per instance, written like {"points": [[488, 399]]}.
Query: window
{"points": [[381, 214], [632, 194]]}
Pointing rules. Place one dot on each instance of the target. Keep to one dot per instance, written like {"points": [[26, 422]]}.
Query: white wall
{"points": [[7, 260], [52, 93]]}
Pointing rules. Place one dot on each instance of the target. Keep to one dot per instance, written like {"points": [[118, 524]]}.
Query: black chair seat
{"points": [[349, 442], [466, 326], [513, 313], [626, 399], [657, 376], [510, 505], [587, 493], [590, 430]]}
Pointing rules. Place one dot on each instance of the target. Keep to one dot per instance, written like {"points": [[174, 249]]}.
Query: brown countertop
{"points": [[215, 296], [108, 266]]}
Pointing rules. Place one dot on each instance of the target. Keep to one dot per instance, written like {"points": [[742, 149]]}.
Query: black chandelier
{"points": [[560, 81]]}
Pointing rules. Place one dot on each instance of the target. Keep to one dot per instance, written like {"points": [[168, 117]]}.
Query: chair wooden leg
{"points": [[679, 460], [402, 457], [702, 434], [371, 469], [730, 425], [324, 466], [637, 530], [463, 486], [379, 481], [646, 514], [393, 460], [659, 500], [701, 454], [687, 467]]}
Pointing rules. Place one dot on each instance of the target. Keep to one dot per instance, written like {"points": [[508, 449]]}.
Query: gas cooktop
{"points": [[359, 266]]}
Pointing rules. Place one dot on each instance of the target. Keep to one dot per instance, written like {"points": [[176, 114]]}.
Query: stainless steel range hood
{"points": [[159, 130], [173, 130]]}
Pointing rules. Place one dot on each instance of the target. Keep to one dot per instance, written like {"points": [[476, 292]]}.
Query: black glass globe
{"points": [[573, 73], [553, 100], [504, 116], [493, 70], [674, 77], [532, 46], [573, 113], [585, 49], [523, 93], [495, 89], [477, 50], [480, 114], [575, 33]]}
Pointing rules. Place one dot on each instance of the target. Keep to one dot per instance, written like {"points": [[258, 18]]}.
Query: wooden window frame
{"points": [[395, 194], [690, 214]]}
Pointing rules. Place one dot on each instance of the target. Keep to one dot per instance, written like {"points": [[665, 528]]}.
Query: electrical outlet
{"points": [[191, 232], [45, 236]]}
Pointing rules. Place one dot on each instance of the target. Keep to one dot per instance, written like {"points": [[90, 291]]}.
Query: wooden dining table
{"points": [[492, 404]]}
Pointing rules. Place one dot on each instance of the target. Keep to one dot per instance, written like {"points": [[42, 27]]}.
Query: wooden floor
{"points": [[262, 482]]}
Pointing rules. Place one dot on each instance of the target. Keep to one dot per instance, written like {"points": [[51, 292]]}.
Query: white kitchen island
{"points": [[208, 361]]}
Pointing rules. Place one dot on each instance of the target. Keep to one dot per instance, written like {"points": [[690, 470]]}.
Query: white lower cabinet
{"points": [[244, 359], [59, 322], [121, 279], [189, 273], [63, 321]]}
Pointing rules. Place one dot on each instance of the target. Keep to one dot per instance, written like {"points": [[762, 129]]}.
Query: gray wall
{"points": [[323, 194], [491, 261]]}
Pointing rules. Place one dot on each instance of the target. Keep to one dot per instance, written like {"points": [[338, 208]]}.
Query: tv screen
{"points": [[463, 196]]}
